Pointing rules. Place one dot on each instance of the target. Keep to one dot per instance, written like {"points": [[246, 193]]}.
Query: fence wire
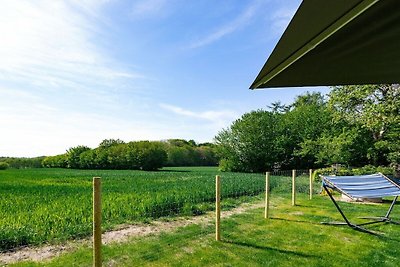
{"points": [[57, 210], [281, 182]]}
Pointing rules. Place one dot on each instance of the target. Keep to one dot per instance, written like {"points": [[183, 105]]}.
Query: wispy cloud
{"points": [[222, 116], [34, 127], [53, 43], [280, 19], [17, 94], [55, 74], [237, 23], [149, 8]]}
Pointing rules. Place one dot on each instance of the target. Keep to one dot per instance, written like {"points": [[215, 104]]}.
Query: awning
{"points": [[337, 42]]}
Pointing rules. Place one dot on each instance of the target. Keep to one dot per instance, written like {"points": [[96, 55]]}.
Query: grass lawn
{"points": [[293, 236]]}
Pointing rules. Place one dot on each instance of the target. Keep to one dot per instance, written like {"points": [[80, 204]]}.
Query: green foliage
{"points": [[306, 121], [249, 143], [73, 156], [265, 140], [394, 158], [4, 165], [21, 163], [188, 153], [150, 156], [59, 161], [140, 155], [375, 108], [350, 147], [107, 143], [343, 170], [356, 126]]}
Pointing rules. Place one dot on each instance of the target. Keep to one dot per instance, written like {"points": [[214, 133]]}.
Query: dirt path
{"points": [[121, 234]]}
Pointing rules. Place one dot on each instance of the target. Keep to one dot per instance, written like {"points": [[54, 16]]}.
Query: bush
{"points": [[59, 161], [342, 171], [138, 155], [4, 165], [22, 163], [151, 156]]}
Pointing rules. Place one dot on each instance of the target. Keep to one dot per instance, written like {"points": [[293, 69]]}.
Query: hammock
{"points": [[362, 186]]}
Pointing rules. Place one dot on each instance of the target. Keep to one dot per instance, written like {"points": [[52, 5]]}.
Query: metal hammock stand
{"points": [[362, 186]]}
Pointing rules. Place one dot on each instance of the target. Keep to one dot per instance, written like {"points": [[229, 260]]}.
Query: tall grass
{"points": [[52, 205]]}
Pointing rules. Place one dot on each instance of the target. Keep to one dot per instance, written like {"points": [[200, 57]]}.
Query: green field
{"points": [[293, 236], [53, 205]]}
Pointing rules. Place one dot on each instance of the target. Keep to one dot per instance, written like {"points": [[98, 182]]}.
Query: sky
{"points": [[80, 71]]}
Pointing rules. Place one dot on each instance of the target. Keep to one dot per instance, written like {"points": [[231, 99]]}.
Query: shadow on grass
{"points": [[161, 170], [342, 224], [296, 221], [386, 237], [383, 236], [249, 245]]}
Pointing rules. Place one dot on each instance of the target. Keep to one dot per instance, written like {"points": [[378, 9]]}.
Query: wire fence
{"points": [[56, 211]]}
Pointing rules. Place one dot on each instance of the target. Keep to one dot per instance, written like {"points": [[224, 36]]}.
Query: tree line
{"points": [[20, 163], [138, 155], [352, 125]]}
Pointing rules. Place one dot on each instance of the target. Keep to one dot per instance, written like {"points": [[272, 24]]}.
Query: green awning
{"points": [[336, 42]]}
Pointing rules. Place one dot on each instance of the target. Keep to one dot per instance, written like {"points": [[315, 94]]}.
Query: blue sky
{"points": [[77, 72]]}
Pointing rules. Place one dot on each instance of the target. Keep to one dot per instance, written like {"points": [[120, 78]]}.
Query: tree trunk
{"points": [[397, 170]]}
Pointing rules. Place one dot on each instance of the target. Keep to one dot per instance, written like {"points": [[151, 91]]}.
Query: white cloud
{"points": [[51, 43], [236, 24], [148, 8], [42, 130], [17, 94], [280, 19], [37, 33], [218, 117], [57, 84]]}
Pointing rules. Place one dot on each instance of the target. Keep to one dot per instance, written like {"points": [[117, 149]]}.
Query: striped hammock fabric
{"points": [[363, 186]]}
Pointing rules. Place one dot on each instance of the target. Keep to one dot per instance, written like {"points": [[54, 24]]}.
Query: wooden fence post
{"points": [[311, 183], [266, 213], [293, 187], [217, 208], [96, 221]]}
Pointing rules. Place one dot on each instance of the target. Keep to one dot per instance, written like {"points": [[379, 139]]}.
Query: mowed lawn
{"points": [[293, 236]]}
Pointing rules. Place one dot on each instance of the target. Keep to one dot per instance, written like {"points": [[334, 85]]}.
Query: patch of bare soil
{"points": [[121, 234]]}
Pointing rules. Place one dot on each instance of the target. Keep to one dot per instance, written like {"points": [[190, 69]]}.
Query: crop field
{"points": [[53, 205]]}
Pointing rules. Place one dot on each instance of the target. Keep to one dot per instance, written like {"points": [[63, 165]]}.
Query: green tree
{"points": [[305, 121], [4, 165], [152, 155], [87, 159], [73, 156], [180, 156], [146, 155], [375, 108], [58, 161], [349, 147], [116, 156], [106, 143], [249, 144], [189, 153], [206, 155], [278, 107], [264, 140]]}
